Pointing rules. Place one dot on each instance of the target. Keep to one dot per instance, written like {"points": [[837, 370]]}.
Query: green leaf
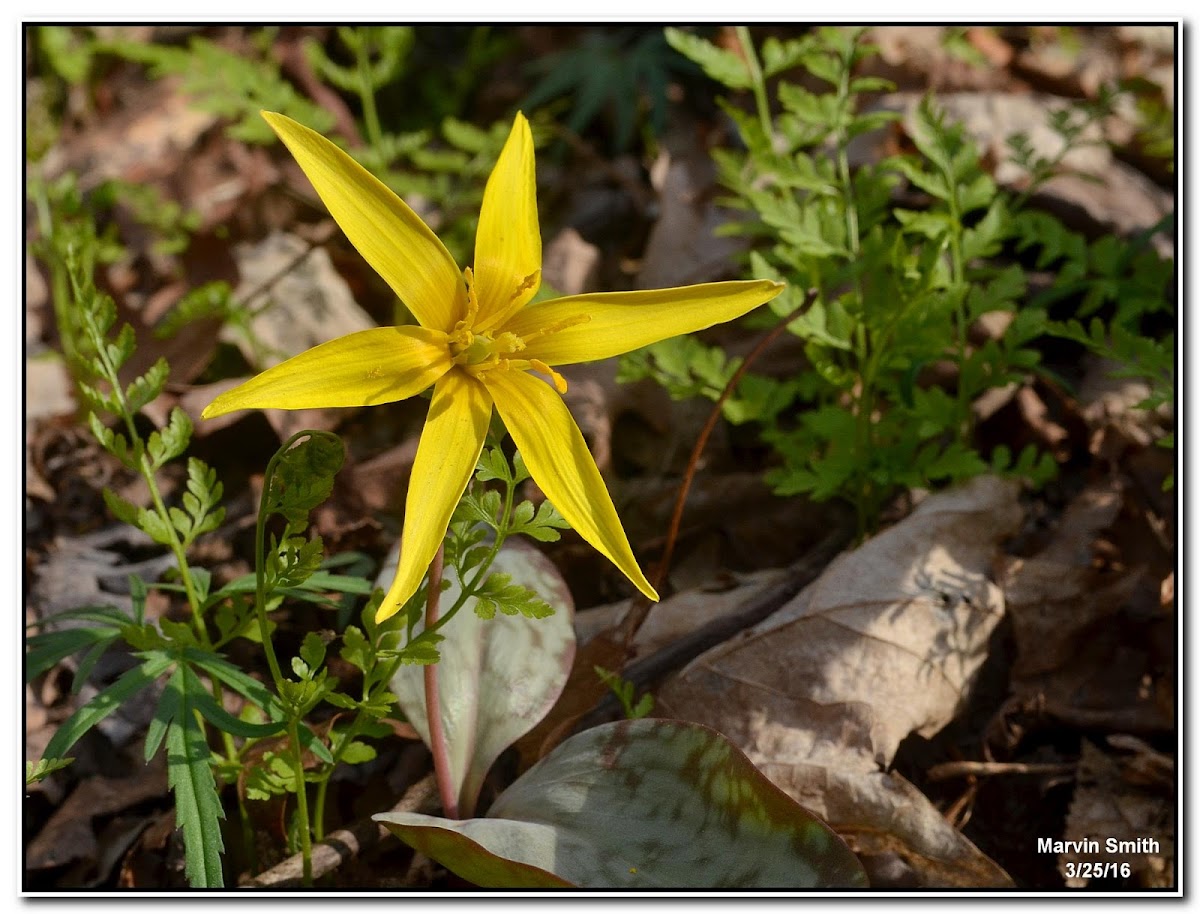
{"points": [[46, 650], [315, 745], [303, 477], [782, 55], [232, 85], [43, 768], [221, 669], [505, 673], [293, 562], [356, 753], [693, 813], [169, 442], [105, 703], [112, 441], [221, 719], [542, 526], [499, 592], [198, 809], [152, 524], [356, 649], [723, 66], [420, 653], [201, 501], [312, 650], [493, 465], [121, 509], [144, 389], [213, 300]]}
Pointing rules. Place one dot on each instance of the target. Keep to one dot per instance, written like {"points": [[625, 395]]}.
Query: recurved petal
{"points": [[450, 444], [389, 235], [366, 368], [558, 457], [508, 244], [622, 321]]}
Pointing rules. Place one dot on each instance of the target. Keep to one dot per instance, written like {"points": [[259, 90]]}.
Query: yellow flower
{"points": [[478, 342]]}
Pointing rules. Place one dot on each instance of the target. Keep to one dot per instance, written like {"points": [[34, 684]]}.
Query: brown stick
{"points": [[972, 769], [640, 607], [345, 844], [647, 670]]}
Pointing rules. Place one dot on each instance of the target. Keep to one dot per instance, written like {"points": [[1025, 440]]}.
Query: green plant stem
{"points": [[366, 92], [260, 610], [59, 287], [758, 82], [147, 473], [639, 607], [863, 442], [958, 280], [301, 801], [433, 709]]}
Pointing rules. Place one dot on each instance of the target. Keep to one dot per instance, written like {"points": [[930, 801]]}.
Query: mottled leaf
{"points": [[639, 804], [498, 677]]}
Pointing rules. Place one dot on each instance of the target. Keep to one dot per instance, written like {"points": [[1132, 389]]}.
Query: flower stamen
{"points": [[559, 382]]}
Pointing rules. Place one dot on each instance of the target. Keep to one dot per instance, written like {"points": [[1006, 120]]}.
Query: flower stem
{"points": [[433, 708]]}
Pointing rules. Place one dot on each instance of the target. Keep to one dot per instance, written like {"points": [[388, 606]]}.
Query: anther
{"points": [[560, 383], [472, 298]]}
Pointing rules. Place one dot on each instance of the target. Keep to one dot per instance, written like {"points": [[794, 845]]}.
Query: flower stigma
{"points": [[476, 351]]}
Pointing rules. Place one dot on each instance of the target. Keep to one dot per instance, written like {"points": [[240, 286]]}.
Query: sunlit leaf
{"points": [[499, 676], [639, 804]]}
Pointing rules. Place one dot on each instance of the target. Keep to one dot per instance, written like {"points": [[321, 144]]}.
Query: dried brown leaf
{"points": [[1085, 649], [1108, 806], [886, 643]]}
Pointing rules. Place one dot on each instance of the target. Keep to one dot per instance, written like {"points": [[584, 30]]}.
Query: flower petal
{"points": [[558, 457], [450, 444], [508, 244], [389, 235], [366, 368], [623, 321]]}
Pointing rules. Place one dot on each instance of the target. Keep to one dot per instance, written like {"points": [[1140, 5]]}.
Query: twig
{"points": [[640, 607], [345, 844], [948, 770], [270, 281], [653, 667], [295, 62]]}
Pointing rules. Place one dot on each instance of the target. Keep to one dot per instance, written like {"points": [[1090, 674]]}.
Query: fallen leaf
{"points": [[684, 246], [1081, 658], [69, 834], [49, 389], [310, 304], [1108, 806], [884, 644], [570, 264]]}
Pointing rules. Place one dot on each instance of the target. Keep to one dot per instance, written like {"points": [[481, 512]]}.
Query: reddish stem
{"points": [[433, 708], [640, 608]]}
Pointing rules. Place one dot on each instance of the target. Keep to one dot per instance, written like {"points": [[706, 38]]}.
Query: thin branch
{"points": [[948, 770], [640, 606], [345, 844], [646, 671]]}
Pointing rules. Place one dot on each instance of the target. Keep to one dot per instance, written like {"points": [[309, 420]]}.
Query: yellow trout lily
{"points": [[479, 343]]}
